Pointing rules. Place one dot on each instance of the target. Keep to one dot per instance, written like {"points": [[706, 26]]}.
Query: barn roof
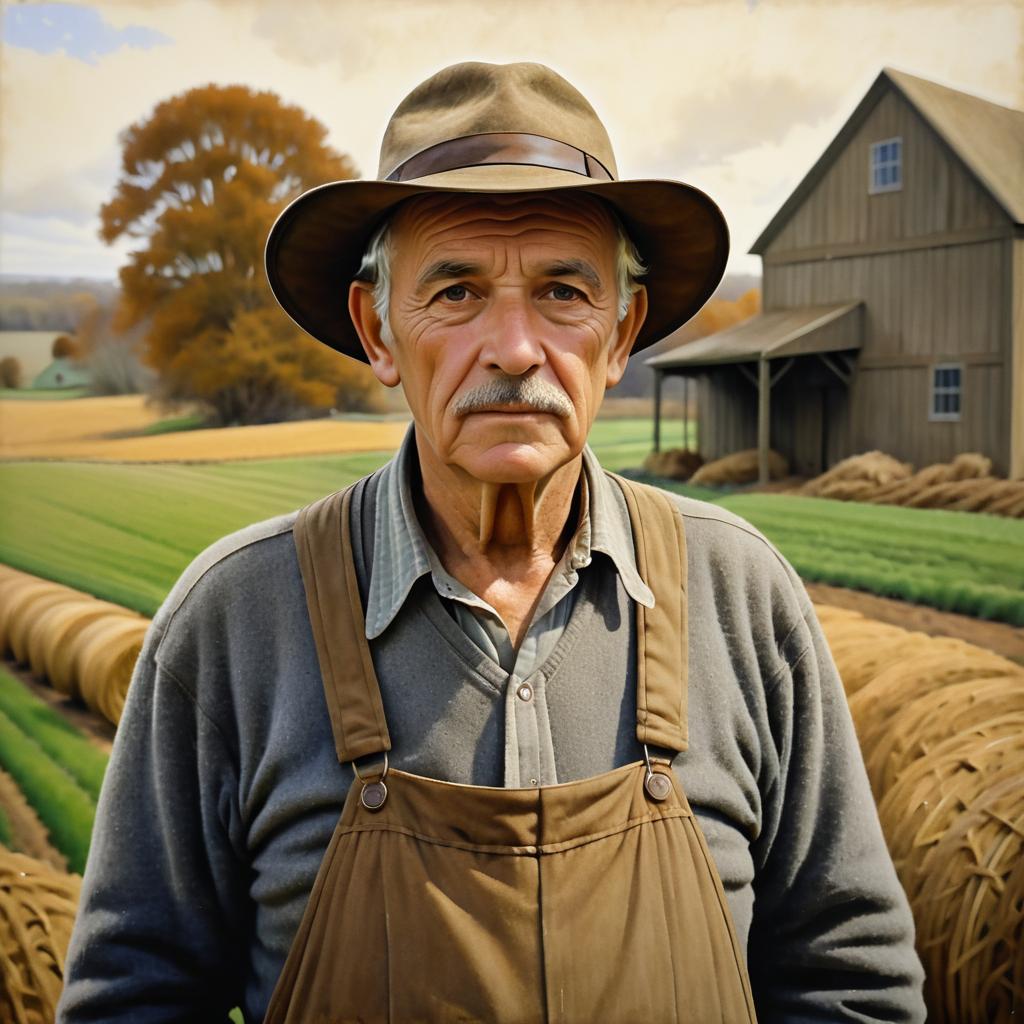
{"points": [[987, 137], [781, 332]]}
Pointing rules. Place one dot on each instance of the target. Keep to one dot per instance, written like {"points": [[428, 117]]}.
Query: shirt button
{"points": [[525, 692]]}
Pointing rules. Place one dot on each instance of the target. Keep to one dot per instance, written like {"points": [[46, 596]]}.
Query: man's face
{"points": [[505, 290]]}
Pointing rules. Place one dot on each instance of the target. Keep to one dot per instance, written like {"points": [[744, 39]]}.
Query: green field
{"points": [[956, 561], [39, 394], [56, 768], [125, 532]]}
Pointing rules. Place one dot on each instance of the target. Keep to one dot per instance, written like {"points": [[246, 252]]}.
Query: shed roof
{"points": [[987, 137], [773, 335], [62, 373]]}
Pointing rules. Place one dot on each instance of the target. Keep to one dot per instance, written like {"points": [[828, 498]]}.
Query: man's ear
{"points": [[626, 331], [368, 327]]}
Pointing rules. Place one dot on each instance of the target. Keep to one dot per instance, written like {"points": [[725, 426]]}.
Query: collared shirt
{"points": [[402, 554]]}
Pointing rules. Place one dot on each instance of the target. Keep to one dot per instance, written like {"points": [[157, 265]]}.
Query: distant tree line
{"points": [[49, 305]]}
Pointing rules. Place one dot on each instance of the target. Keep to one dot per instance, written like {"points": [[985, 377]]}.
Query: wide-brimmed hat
{"points": [[485, 128]]}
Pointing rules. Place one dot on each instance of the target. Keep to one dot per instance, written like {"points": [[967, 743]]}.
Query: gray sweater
{"points": [[224, 787]]}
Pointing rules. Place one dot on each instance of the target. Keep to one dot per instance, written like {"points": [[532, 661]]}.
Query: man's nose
{"points": [[512, 336]]}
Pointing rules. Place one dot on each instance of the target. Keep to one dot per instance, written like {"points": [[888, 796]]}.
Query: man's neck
{"points": [[500, 540]]}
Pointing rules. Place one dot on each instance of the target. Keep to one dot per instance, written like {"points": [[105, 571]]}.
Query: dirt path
{"points": [[28, 833], [94, 727], [996, 636]]}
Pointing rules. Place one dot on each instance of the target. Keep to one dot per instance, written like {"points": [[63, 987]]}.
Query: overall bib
{"points": [[583, 902]]}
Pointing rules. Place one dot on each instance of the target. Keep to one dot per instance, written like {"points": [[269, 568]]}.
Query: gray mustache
{"points": [[536, 394]]}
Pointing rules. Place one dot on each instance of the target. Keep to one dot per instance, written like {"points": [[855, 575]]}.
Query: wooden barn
{"points": [[893, 297]]}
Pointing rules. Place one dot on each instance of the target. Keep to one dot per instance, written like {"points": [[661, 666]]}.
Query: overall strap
{"points": [[324, 545], [661, 631]]}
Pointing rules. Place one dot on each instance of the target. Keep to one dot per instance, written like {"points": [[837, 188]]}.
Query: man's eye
{"points": [[563, 293], [455, 292]]}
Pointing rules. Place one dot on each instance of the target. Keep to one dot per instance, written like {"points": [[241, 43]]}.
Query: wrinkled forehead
{"points": [[575, 220]]}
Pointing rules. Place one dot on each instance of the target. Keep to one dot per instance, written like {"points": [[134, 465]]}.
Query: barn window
{"points": [[947, 387], [886, 166]]}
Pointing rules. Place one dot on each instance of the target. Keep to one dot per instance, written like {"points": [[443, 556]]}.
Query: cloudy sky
{"points": [[738, 98]]}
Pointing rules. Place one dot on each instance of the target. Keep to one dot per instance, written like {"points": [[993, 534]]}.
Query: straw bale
{"points": [[968, 465], [847, 490], [861, 658], [1011, 502], [37, 911], [931, 793], [740, 468], [980, 493], [675, 463], [936, 473], [106, 656], [953, 821], [873, 706], [873, 466], [834, 613], [17, 602], [896, 493], [1016, 510], [967, 893], [916, 729], [941, 495], [60, 625]]}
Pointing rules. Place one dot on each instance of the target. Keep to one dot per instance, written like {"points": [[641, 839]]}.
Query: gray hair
{"points": [[375, 269]]}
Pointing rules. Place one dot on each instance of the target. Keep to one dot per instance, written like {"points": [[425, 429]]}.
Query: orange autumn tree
{"points": [[202, 180]]}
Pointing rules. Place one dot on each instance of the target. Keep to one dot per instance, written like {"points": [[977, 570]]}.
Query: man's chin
{"points": [[514, 462]]}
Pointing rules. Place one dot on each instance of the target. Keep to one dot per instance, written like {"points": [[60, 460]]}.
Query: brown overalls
{"points": [[589, 901]]}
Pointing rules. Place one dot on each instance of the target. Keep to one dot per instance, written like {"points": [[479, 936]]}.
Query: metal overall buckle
{"points": [[657, 784], [374, 792]]}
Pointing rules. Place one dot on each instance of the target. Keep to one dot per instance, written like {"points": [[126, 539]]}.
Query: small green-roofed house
{"points": [[62, 373]]}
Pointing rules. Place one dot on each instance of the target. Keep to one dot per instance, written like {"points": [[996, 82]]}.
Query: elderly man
{"points": [[491, 735]]}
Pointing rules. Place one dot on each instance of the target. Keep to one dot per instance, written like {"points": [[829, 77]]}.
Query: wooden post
{"points": [[658, 374], [686, 411], [764, 394]]}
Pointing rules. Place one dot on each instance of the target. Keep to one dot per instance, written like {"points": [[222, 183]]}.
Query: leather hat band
{"points": [[500, 148]]}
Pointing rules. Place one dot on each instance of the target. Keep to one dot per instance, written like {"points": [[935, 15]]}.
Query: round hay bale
{"points": [[933, 718], [967, 894], [10, 586], [8, 572], [740, 468], [21, 601], [924, 801], [108, 650], [59, 625], [931, 669], [37, 911], [860, 658]]}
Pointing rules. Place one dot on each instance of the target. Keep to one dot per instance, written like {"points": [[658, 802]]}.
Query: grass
{"points": [[175, 424], [954, 561], [59, 740], [63, 806], [28, 394], [6, 832], [126, 532]]}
